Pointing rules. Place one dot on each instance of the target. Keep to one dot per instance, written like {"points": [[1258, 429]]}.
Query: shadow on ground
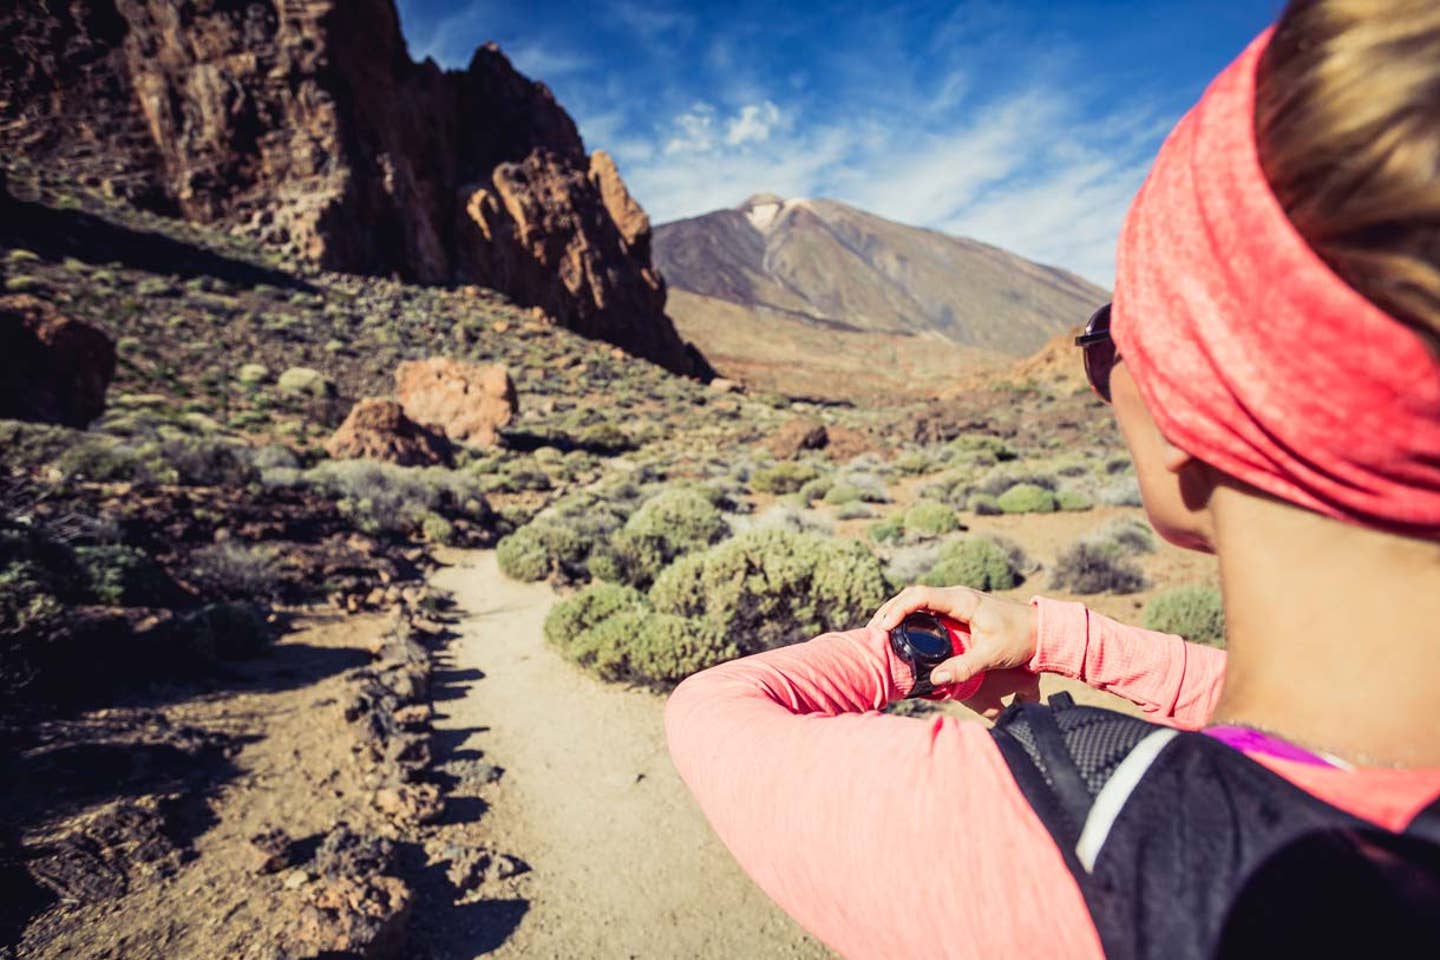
{"points": [[57, 234]]}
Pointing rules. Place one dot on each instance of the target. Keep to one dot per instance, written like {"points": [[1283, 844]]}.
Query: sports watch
{"points": [[923, 641]]}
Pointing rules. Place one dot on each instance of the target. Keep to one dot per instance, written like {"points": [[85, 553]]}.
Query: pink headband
{"points": [[1250, 353]]}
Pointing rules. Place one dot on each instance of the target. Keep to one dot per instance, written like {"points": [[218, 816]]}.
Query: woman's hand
{"points": [[1002, 641]]}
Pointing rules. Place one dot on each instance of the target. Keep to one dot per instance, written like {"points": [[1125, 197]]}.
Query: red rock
{"points": [[796, 436], [308, 126], [52, 369], [468, 401], [378, 429], [845, 443]]}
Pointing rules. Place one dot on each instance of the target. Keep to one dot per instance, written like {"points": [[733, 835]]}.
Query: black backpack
{"points": [[1184, 847]]}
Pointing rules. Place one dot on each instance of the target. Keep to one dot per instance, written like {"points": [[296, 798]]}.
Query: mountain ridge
{"points": [[873, 308], [804, 256]]}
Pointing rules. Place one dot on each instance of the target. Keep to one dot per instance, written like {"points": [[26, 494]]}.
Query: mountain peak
{"points": [[763, 209]]}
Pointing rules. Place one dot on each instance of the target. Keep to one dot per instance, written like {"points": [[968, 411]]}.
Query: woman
{"points": [[1276, 328]]}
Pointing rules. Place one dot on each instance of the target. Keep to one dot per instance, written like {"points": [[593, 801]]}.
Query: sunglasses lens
{"points": [[1100, 355]]}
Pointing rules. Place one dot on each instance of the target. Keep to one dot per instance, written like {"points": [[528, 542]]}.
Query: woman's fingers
{"points": [[957, 602], [958, 669]]}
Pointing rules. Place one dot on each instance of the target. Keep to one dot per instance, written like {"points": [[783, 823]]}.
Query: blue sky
{"points": [[1025, 124]]}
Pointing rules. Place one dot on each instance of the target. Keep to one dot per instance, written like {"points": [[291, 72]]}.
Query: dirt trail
{"points": [[623, 864]]}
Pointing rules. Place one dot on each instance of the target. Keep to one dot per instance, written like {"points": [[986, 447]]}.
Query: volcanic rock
{"points": [[355, 908], [796, 436], [468, 401], [52, 369], [308, 126], [378, 429]]}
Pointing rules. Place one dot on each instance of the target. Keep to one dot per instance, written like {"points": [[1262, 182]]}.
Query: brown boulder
{"points": [[845, 443], [378, 429], [470, 402], [796, 436], [52, 369]]}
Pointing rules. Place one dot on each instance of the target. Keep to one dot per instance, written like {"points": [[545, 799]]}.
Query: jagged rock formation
{"points": [[52, 369], [307, 124]]}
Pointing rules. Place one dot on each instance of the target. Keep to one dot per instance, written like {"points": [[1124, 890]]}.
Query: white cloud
{"points": [[1028, 172], [450, 41], [752, 124], [694, 131], [545, 61]]}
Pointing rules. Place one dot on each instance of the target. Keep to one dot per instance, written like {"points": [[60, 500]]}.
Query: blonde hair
{"points": [[1347, 120]]}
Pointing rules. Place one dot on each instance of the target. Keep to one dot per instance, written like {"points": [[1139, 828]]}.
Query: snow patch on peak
{"points": [[762, 215], [764, 209]]}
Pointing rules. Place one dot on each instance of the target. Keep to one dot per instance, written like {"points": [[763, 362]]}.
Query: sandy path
{"points": [[623, 864]]}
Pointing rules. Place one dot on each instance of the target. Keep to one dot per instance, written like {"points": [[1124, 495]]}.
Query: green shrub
{"points": [[914, 462], [118, 575], [234, 571], [816, 489], [666, 526], [224, 631], [1073, 500], [842, 493], [1194, 612], [767, 588], [984, 505], [207, 463], [1096, 567], [604, 564], [996, 482], [571, 618], [993, 448], [654, 649], [1130, 536], [887, 531], [979, 564], [540, 549], [1026, 498], [611, 630], [306, 382], [384, 499], [1123, 491], [436, 528], [783, 478], [927, 518], [853, 511]]}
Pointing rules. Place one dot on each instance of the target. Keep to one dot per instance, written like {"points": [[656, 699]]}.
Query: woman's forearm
{"points": [[842, 814], [1175, 682]]}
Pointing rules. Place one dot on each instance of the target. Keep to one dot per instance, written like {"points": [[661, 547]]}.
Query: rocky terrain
{"points": [[306, 125], [874, 307]]}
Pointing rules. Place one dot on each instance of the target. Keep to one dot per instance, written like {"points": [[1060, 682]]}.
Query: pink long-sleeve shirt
{"points": [[894, 836]]}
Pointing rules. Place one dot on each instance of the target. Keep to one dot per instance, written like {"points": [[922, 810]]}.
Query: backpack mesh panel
{"points": [[1098, 740], [1018, 727]]}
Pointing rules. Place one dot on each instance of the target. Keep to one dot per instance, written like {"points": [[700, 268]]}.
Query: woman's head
{"points": [[1278, 292], [1347, 126]]}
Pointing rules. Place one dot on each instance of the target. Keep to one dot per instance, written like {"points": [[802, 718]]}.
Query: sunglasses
{"points": [[1100, 354]]}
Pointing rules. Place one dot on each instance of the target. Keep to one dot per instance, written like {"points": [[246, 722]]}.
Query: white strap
{"points": [[1116, 791]]}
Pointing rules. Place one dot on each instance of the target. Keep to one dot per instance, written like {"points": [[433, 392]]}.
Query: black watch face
{"points": [[927, 636]]}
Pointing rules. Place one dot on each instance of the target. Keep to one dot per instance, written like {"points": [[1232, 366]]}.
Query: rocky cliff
{"points": [[306, 123]]}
